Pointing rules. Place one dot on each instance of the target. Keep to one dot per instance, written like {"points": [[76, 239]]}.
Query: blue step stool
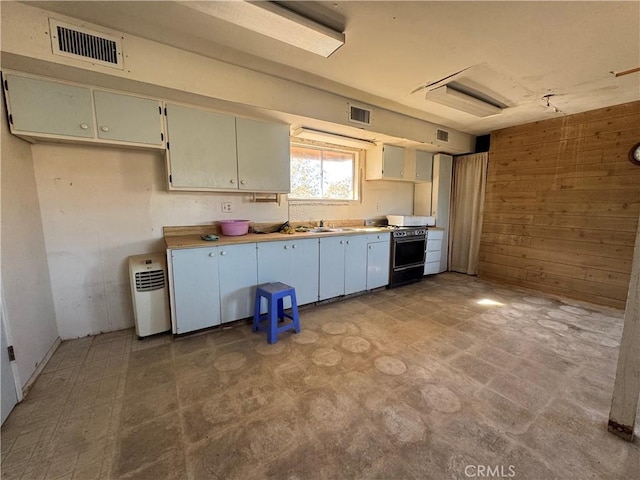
{"points": [[275, 293]]}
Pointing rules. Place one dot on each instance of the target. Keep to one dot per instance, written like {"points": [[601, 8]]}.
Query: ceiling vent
{"points": [[442, 136], [75, 42], [360, 115]]}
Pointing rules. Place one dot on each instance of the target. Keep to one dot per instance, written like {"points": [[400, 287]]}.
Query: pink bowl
{"points": [[232, 228]]}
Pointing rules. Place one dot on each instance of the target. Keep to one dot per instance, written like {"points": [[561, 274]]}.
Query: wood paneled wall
{"points": [[562, 205]]}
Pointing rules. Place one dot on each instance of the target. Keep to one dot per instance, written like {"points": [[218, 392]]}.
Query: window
{"points": [[319, 173]]}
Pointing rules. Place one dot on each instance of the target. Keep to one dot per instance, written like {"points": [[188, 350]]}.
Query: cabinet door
{"points": [[377, 264], [304, 269], [424, 166], [127, 118], [238, 274], [392, 162], [41, 106], [332, 267], [274, 265], [263, 156], [441, 199], [202, 149], [355, 271], [195, 288]]}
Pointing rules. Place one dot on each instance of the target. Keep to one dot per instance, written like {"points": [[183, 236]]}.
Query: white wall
{"points": [[100, 205], [28, 300]]}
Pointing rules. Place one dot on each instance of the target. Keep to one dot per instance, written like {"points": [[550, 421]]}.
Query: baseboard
{"points": [[41, 365]]}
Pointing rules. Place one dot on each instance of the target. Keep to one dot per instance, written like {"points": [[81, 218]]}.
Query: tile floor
{"points": [[419, 382]]}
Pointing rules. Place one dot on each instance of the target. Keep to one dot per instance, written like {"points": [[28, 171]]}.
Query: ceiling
{"points": [[515, 52]]}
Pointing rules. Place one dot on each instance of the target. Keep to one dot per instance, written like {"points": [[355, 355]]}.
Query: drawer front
{"points": [[433, 256], [435, 234], [431, 267]]}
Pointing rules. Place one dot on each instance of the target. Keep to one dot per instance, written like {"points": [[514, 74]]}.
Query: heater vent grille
{"points": [[75, 42], [150, 280], [359, 115], [442, 135]]}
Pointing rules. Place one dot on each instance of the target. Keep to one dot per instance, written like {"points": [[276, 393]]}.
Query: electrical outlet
{"points": [[377, 207], [226, 207]]}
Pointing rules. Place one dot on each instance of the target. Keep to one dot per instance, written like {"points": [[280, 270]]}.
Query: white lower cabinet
{"points": [[353, 263], [343, 266], [195, 288], [238, 275], [378, 257], [212, 285], [294, 262], [434, 252]]}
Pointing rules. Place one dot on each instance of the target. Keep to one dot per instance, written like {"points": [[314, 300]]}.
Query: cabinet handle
{"points": [[348, 242], [212, 254], [242, 182], [232, 181], [223, 253], [401, 173], [293, 246], [286, 247], [341, 242], [84, 126], [104, 128], [370, 247]]}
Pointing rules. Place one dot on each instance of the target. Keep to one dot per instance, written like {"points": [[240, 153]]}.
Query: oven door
{"points": [[408, 252]]}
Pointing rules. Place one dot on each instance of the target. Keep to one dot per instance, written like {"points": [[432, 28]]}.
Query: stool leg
{"points": [[256, 313], [281, 309], [294, 312], [272, 334]]}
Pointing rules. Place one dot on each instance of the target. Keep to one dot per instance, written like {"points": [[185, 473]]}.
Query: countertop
{"points": [[193, 241]]}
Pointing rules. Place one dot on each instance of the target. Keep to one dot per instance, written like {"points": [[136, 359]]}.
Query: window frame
{"points": [[358, 155]]}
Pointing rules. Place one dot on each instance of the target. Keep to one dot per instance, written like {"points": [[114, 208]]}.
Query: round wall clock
{"points": [[634, 154]]}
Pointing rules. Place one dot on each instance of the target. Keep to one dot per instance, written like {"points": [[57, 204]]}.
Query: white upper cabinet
{"points": [[390, 162], [217, 152], [126, 118], [263, 156], [42, 109], [202, 149], [385, 162], [424, 166]]}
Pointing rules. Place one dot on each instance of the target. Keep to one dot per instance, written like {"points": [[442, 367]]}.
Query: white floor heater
{"points": [[148, 277]]}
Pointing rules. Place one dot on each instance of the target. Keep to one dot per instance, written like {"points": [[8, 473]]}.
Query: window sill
{"points": [[321, 202]]}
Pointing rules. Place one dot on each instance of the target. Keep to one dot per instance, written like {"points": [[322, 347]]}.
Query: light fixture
{"points": [[453, 98], [272, 20], [332, 138]]}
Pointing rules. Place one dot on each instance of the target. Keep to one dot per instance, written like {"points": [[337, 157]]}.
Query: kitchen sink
{"points": [[327, 229]]}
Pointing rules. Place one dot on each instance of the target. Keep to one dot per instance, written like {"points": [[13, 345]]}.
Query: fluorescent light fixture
{"points": [[332, 138], [275, 21], [453, 98]]}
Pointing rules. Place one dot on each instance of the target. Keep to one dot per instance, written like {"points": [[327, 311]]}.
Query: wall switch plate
{"points": [[226, 207]]}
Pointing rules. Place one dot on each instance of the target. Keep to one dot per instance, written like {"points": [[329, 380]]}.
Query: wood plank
{"points": [[512, 218], [626, 210], [575, 258], [559, 244], [577, 235], [605, 182], [544, 287], [625, 196], [617, 224], [534, 265]]}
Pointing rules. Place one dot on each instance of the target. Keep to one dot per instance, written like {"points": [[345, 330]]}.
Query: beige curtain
{"points": [[469, 179]]}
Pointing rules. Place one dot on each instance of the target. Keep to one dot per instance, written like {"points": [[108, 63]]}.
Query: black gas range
{"points": [[408, 250]]}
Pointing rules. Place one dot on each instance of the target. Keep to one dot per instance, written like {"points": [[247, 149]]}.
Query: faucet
{"points": [[321, 223]]}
